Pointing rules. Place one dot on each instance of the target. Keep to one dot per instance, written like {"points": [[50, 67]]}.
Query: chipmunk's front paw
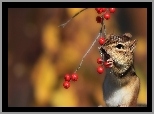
{"points": [[109, 63]]}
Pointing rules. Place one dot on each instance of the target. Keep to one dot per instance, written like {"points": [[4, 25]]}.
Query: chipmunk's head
{"points": [[119, 48]]}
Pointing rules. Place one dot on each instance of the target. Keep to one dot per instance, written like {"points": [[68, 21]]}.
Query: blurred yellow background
{"points": [[40, 54]]}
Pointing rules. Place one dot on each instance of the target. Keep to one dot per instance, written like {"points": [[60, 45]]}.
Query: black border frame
{"points": [[6, 5]]}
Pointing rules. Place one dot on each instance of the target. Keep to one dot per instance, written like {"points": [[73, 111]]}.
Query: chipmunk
{"points": [[121, 84]]}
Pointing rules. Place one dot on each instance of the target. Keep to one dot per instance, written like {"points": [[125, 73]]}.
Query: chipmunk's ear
{"points": [[132, 45]]}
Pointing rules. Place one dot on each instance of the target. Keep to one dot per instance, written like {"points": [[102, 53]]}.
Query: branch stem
{"points": [[64, 24], [89, 49]]}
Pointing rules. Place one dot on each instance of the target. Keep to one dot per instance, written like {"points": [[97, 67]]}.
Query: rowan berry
{"points": [[66, 84], [100, 69]]}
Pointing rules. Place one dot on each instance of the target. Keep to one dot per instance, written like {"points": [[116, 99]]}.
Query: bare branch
{"points": [[64, 24], [89, 50]]}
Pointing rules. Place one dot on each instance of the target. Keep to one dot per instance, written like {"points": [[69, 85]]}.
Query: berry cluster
{"points": [[100, 69], [106, 14], [68, 78], [103, 63]]}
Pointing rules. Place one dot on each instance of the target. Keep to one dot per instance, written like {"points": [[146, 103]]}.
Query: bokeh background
{"points": [[40, 54]]}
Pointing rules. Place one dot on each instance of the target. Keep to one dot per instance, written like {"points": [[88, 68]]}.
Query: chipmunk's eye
{"points": [[120, 46]]}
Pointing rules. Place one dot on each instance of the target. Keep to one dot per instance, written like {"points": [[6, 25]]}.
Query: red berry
{"points": [[101, 41], [100, 69], [107, 16], [67, 77], [99, 19], [99, 61], [112, 10], [74, 77], [99, 10], [103, 9], [66, 84]]}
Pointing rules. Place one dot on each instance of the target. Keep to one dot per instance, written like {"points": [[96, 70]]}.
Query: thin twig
{"points": [[104, 29], [89, 50], [100, 51], [64, 24], [103, 24]]}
